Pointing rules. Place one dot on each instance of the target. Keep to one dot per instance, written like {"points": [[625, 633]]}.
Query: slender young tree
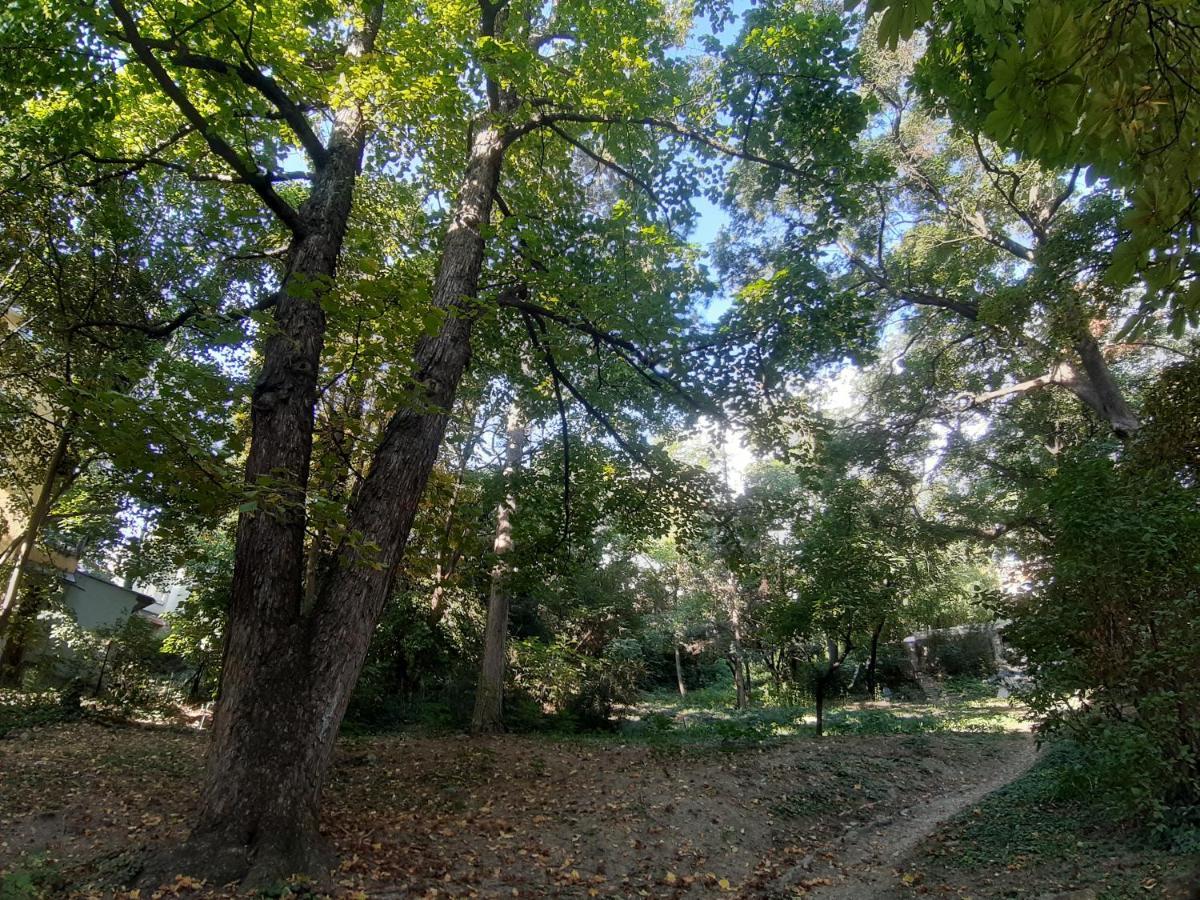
{"points": [[489, 695]]}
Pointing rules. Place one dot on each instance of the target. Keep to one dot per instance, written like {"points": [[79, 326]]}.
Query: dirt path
{"points": [[873, 852], [452, 817]]}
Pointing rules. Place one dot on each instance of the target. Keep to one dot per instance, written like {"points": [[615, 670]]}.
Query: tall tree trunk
{"points": [[679, 672], [288, 678], [873, 659], [489, 695], [259, 803], [739, 670], [37, 519]]}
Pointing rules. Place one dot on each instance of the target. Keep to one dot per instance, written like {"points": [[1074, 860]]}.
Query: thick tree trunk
{"points": [[259, 804], [679, 672], [1094, 386], [489, 695], [1101, 391], [288, 678]]}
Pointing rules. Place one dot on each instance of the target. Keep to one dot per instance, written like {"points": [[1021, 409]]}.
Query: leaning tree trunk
{"points": [[288, 677], [23, 551], [489, 695]]}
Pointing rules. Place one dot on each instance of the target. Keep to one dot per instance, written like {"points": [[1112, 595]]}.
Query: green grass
{"points": [[1033, 834], [706, 718]]}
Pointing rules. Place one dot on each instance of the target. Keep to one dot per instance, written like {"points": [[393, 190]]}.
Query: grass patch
{"points": [[27, 709], [707, 718], [1031, 835]]}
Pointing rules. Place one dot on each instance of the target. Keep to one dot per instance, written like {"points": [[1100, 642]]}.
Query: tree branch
{"points": [[255, 179], [552, 364], [607, 163], [170, 326], [253, 77], [640, 361]]}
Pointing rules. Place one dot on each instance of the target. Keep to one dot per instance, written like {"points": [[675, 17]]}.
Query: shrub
{"points": [[24, 709], [1112, 635], [578, 690]]}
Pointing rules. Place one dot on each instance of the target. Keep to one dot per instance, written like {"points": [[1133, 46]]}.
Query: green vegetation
{"points": [[1042, 830], [675, 374]]}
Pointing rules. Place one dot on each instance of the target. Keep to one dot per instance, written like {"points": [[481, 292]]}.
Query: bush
{"points": [[1112, 635], [576, 690], [24, 709]]}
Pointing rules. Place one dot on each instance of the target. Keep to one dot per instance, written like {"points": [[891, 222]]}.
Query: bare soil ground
{"points": [[81, 804]]}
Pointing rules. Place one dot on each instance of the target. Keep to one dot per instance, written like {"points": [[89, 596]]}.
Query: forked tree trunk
{"points": [[288, 677], [489, 694]]}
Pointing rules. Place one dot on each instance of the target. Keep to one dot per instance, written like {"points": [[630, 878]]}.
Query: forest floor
{"points": [[750, 812]]}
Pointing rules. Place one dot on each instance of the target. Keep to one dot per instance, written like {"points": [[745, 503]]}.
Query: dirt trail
{"points": [[452, 817], [873, 852]]}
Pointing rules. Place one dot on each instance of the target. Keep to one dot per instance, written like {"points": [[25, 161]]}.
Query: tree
{"points": [[1114, 88], [76, 256], [174, 101], [975, 254], [490, 693], [1109, 625]]}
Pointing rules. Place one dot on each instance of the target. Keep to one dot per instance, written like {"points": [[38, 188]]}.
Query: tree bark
{"points": [[489, 695], [259, 803], [288, 678], [679, 672], [37, 519], [1102, 392], [873, 659], [1095, 387]]}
